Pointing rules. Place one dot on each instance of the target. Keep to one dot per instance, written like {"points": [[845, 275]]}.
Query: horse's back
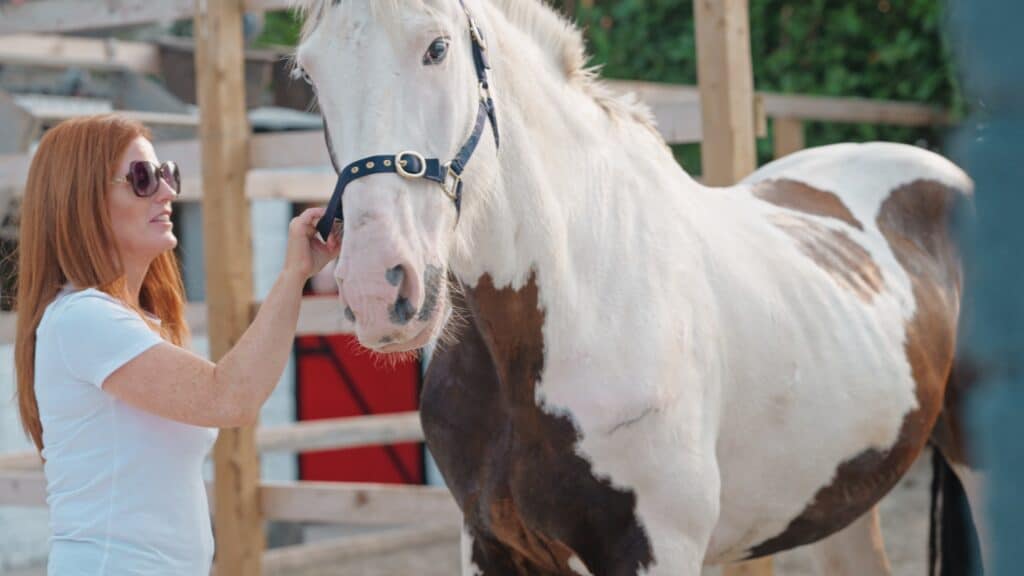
{"points": [[875, 337]]}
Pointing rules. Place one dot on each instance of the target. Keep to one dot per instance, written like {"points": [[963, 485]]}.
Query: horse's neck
{"points": [[573, 180]]}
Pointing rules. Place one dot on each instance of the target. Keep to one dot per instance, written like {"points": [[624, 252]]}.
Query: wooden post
{"points": [[726, 80], [224, 134], [789, 136]]}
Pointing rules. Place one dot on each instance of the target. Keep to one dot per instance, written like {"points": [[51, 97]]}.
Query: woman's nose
{"points": [[165, 192]]}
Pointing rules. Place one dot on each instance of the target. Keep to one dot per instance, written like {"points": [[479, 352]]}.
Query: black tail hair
{"points": [[952, 539]]}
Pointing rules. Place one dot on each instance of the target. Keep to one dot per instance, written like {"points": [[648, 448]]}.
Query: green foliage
{"points": [[280, 29], [883, 49]]}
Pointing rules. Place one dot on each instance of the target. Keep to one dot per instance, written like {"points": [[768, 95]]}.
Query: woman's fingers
{"points": [[306, 221]]}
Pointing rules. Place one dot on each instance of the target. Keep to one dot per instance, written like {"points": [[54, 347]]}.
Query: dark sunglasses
{"points": [[145, 176]]}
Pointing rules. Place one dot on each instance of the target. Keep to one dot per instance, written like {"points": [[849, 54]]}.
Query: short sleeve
{"points": [[96, 335]]}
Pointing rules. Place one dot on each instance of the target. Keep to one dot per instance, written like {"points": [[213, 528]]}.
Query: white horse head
{"points": [[393, 77]]}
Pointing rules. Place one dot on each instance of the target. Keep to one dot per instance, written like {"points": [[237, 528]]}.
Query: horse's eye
{"points": [[437, 52]]}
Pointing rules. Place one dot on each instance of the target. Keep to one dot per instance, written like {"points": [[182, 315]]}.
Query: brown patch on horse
{"points": [[803, 198], [914, 221], [847, 262], [528, 499]]}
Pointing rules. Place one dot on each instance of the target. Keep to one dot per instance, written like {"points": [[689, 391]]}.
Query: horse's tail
{"points": [[951, 539], [953, 548]]}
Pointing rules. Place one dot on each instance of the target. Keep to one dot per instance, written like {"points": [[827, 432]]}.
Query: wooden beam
{"points": [[319, 316], [21, 461], [224, 133], [335, 433], [53, 116], [727, 90], [788, 136], [727, 99], [62, 51], [853, 110], [22, 488], [70, 15], [676, 109], [337, 553], [357, 503]]}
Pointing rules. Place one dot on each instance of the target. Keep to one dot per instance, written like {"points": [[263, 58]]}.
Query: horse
{"points": [[634, 373]]}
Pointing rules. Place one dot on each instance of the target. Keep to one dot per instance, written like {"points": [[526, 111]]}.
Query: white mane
{"points": [[557, 37]]}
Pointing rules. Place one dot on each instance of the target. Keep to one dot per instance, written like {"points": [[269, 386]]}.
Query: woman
{"points": [[122, 413]]}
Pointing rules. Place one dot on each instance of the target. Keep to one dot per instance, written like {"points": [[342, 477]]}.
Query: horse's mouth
{"points": [[392, 344]]}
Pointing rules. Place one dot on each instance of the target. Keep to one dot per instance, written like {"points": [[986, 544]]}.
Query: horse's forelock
{"points": [[313, 11]]}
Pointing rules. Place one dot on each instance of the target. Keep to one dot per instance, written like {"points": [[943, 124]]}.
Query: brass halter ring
{"points": [[400, 165]]}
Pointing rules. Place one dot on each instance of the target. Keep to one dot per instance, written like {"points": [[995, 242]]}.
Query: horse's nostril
{"points": [[402, 311], [395, 275], [349, 314]]}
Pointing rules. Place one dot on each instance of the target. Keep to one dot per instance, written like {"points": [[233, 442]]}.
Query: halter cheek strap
{"points": [[412, 165]]}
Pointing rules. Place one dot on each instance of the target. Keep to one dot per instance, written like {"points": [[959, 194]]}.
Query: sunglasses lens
{"points": [[144, 179], [170, 174]]}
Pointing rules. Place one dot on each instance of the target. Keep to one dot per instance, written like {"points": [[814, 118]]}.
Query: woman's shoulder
{"points": [[81, 306]]}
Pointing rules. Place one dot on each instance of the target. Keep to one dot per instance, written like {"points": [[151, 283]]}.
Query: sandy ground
{"points": [[904, 525]]}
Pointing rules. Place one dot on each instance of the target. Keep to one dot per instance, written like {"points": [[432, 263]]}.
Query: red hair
{"points": [[65, 236]]}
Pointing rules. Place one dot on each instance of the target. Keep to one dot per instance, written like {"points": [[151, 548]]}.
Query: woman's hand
{"points": [[306, 254]]}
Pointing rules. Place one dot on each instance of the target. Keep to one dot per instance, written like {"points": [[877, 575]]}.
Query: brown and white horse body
{"points": [[653, 374]]}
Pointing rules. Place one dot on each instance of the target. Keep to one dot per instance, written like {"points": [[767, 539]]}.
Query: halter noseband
{"points": [[413, 165]]}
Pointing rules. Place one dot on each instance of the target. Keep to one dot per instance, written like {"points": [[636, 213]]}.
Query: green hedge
{"points": [[884, 49]]}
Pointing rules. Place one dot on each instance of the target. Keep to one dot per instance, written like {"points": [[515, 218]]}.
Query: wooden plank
{"points": [[727, 90], [53, 116], [727, 100], [358, 503], [62, 51], [334, 433], [224, 133], [70, 15], [337, 553], [21, 461], [319, 316], [853, 110], [676, 109], [804, 107], [22, 488], [788, 136], [294, 185]]}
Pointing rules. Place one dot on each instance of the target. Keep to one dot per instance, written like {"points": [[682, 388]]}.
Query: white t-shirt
{"points": [[124, 486]]}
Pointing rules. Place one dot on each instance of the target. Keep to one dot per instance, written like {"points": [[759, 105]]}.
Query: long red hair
{"points": [[65, 236]]}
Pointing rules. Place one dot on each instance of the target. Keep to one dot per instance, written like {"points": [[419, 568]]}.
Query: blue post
{"points": [[991, 147]]}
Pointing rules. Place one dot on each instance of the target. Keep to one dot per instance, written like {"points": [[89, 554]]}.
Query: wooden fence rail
{"points": [[299, 437], [357, 503], [361, 504], [407, 541]]}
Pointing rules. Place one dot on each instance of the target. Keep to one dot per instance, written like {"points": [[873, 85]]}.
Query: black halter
{"points": [[410, 164]]}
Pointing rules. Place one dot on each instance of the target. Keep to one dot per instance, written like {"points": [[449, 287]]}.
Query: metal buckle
{"points": [[475, 33], [449, 191], [485, 92], [400, 165]]}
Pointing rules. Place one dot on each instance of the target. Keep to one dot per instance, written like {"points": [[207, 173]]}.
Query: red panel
{"points": [[379, 389]]}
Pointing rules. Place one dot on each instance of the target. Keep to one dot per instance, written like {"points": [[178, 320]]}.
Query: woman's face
{"points": [[142, 226]]}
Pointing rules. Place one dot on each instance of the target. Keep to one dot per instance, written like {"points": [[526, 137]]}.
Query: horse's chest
{"points": [[530, 501]]}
